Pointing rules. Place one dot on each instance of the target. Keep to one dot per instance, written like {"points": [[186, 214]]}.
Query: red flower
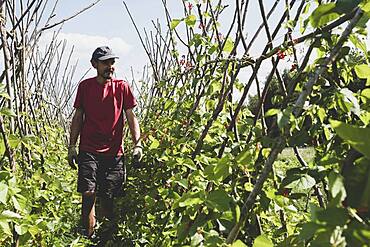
{"points": [[190, 6], [189, 65], [286, 192], [294, 67], [220, 36], [281, 54], [182, 60], [184, 122]]}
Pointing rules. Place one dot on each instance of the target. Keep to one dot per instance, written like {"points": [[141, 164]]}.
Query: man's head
{"points": [[102, 60], [103, 53]]}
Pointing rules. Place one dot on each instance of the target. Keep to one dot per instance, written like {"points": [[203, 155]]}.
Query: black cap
{"points": [[103, 53]]}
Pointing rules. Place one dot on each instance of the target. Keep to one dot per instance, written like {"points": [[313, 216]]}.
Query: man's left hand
{"points": [[137, 152]]}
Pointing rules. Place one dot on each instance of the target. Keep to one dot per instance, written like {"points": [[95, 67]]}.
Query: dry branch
{"points": [[69, 18]]}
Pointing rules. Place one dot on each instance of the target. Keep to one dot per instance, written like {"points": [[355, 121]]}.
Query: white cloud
{"points": [[84, 45]]}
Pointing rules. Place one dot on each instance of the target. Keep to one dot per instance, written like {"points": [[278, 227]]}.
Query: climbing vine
{"points": [[215, 171]]}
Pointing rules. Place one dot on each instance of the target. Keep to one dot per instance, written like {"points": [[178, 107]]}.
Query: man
{"points": [[98, 120]]}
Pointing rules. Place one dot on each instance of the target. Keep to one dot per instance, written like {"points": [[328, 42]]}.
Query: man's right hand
{"points": [[72, 156]]}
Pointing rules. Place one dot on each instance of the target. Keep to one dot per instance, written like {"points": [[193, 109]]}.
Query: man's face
{"points": [[105, 68]]}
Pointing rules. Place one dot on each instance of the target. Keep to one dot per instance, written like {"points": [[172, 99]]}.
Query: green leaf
{"points": [[238, 243], [323, 14], [19, 202], [196, 40], [229, 45], [321, 113], [174, 23], [308, 230], [182, 182], [2, 146], [360, 44], [190, 199], [154, 144], [190, 20], [283, 118], [248, 186], [149, 200], [336, 186], [366, 93], [14, 141], [365, 117], [7, 112], [34, 230], [314, 209], [191, 202], [245, 156], [5, 95], [365, 199], [363, 72], [303, 182], [222, 169], [189, 163], [333, 216], [22, 229], [218, 200], [272, 112], [196, 239], [7, 214], [219, 171], [4, 225], [262, 241], [168, 104], [357, 183], [183, 228], [346, 6], [365, 6], [349, 97], [3, 193], [358, 138]]}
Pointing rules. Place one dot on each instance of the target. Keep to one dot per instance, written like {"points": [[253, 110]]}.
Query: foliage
{"points": [[39, 200], [207, 154]]}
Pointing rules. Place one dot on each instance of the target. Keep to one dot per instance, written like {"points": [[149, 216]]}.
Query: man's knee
{"points": [[88, 193]]}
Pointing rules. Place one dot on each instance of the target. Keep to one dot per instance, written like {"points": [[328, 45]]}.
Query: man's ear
{"points": [[94, 63]]}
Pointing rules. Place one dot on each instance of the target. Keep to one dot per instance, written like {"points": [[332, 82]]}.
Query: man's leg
{"points": [[87, 167], [110, 185], [111, 180], [106, 208], [88, 212]]}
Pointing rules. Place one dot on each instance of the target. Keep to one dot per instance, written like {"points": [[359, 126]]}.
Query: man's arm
{"points": [[76, 126], [133, 124]]}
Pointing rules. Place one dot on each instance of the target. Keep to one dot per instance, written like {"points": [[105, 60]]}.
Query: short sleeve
{"points": [[79, 97], [129, 100]]}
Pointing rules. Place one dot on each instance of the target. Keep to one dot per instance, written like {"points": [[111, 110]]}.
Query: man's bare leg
{"points": [[88, 212]]}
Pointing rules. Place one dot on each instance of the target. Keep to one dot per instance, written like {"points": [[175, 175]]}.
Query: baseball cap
{"points": [[103, 53]]}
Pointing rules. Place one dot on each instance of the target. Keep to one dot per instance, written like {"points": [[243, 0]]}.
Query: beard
{"points": [[107, 74]]}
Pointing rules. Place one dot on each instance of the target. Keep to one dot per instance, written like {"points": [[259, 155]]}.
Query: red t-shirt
{"points": [[103, 107]]}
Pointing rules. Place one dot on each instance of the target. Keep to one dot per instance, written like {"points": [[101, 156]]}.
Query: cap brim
{"points": [[107, 57]]}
